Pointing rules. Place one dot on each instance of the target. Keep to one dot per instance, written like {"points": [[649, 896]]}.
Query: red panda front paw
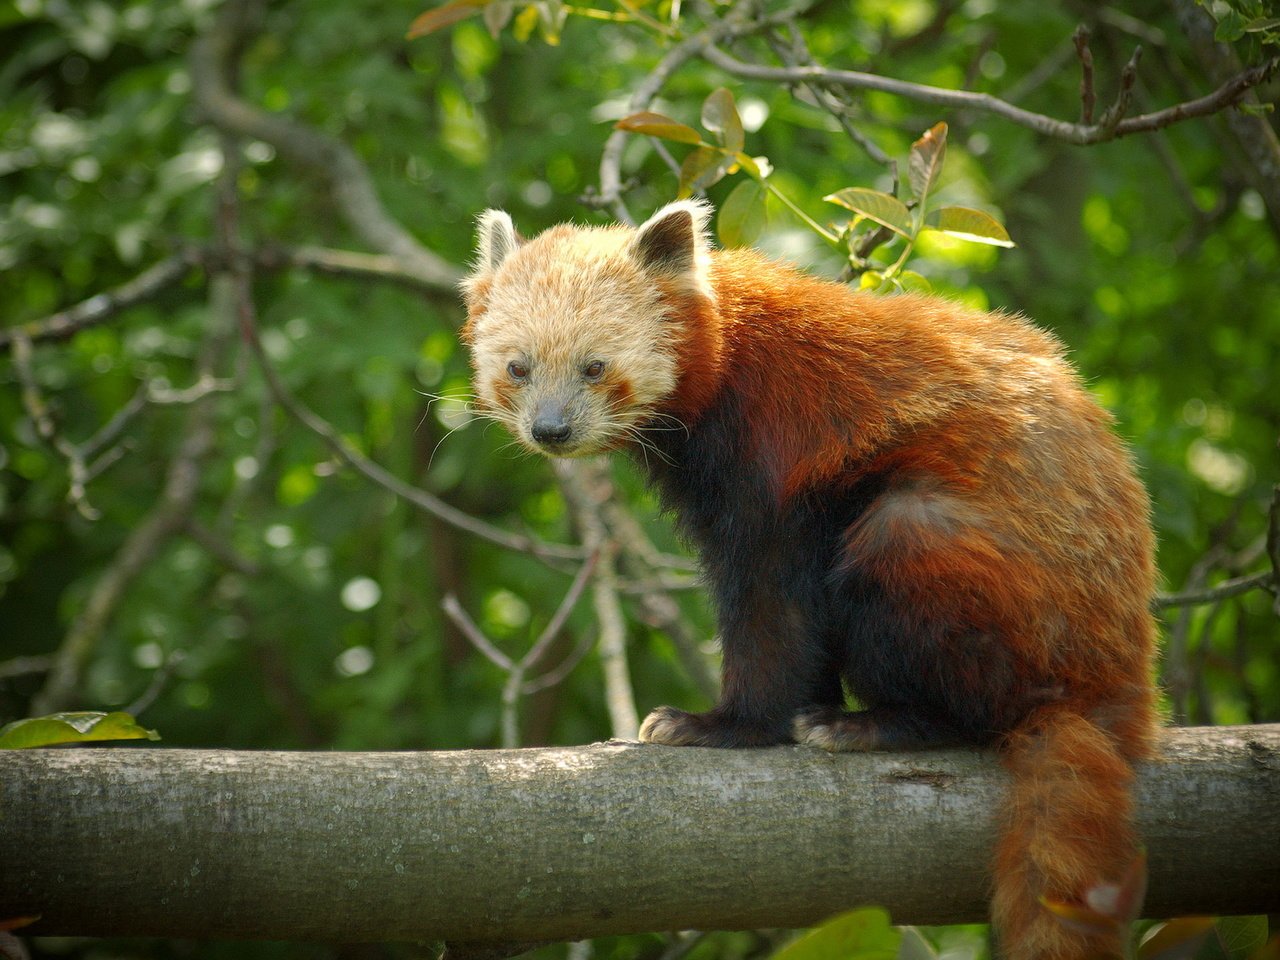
{"points": [[880, 728], [676, 728], [834, 729]]}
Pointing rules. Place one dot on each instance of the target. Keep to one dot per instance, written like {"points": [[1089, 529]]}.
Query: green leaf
{"points": [[860, 935], [1230, 28], [871, 280], [1242, 935], [720, 116], [656, 125], [910, 280], [886, 210], [968, 224], [81, 727], [925, 162], [702, 168], [914, 945], [743, 215], [1262, 24], [445, 15]]}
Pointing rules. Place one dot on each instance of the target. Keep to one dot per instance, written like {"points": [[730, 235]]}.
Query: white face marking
{"points": [[556, 305], [543, 312]]}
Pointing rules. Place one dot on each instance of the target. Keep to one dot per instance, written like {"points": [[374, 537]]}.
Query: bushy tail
{"points": [[1068, 826]]}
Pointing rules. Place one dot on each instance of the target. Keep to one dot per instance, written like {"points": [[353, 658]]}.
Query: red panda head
{"points": [[575, 333]]}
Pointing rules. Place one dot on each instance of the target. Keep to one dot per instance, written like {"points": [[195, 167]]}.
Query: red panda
{"points": [[897, 497]]}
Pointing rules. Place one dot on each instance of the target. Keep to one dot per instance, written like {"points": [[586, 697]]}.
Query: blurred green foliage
{"points": [[1154, 257]]}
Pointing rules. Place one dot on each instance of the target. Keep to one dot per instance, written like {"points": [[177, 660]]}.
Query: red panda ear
{"points": [[672, 244], [496, 240]]}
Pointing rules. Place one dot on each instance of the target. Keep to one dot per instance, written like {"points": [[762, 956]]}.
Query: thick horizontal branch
{"points": [[572, 843]]}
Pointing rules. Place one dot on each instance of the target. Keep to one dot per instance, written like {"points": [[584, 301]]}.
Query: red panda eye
{"points": [[517, 370], [593, 370]]}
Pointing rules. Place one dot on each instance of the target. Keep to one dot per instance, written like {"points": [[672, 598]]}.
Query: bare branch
{"points": [[349, 263], [388, 481], [103, 306], [1223, 591], [352, 187], [471, 630], [1128, 76], [611, 156], [1273, 544], [516, 686], [556, 623], [1078, 133], [588, 489], [38, 411], [220, 550], [1087, 97], [24, 666]]}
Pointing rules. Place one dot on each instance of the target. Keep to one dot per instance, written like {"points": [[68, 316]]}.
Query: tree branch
{"points": [[388, 481], [101, 306], [349, 180], [561, 844], [1078, 133]]}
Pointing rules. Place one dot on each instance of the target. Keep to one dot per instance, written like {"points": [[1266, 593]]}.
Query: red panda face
{"points": [[571, 338]]}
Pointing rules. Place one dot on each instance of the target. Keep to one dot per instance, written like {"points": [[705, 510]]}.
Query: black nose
{"points": [[550, 430]]}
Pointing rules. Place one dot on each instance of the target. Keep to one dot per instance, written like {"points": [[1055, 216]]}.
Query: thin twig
{"points": [[516, 686], [1087, 97], [38, 411], [458, 614], [388, 481], [1265, 580], [24, 666], [1128, 76]]}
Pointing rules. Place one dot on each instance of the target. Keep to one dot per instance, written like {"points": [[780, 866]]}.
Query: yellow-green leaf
{"points": [[80, 727], [968, 224], [886, 210], [720, 116], [656, 125], [863, 934], [925, 161], [743, 215], [526, 20], [445, 15], [910, 280]]}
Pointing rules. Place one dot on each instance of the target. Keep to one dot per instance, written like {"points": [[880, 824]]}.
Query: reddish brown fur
{"points": [[839, 386], [990, 553]]}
